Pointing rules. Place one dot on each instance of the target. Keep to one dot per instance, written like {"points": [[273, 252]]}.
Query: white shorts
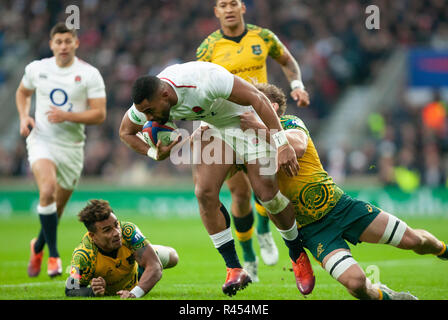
{"points": [[247, 146], [68, 160], [163, 253]]}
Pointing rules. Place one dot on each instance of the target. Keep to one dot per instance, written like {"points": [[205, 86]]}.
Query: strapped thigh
{"points": [[339, 263], [394, 231]]}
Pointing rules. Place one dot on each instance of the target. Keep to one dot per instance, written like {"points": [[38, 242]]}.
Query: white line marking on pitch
{"points": [[31, 284]]}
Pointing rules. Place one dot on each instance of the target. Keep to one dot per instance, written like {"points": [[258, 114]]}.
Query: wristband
{"points": [[280, 139], [138, 292], [297, 84], [152, 153]]}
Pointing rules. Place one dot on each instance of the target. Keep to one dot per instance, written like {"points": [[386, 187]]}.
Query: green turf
{"points": [[201, 270]]}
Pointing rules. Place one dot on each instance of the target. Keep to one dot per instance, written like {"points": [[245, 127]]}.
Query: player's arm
{"points": [[296, 137], [130, 135], [244, 93], [77, 284], [292, 72], [23, 103], [96, 114], [146, 258]]}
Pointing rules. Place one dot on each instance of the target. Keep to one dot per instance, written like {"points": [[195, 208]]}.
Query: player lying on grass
{"points": [[114, 257], [196, 91], [327, 217]]}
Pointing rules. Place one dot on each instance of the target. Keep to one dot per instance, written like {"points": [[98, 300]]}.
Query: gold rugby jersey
{"points": [[244, 56], [312, 192], [119, 271]]}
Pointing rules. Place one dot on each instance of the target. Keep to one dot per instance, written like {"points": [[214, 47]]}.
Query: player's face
{"points": [[230, 12], [157, 109], [108, 234], [64, 46]]}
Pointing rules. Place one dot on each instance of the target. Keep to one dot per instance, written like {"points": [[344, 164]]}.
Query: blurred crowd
{"points": [[329, 39]]}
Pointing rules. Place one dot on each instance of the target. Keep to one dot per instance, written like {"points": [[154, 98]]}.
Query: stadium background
{"points": [[377, 113]]}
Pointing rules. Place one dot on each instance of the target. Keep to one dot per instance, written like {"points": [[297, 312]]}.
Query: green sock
{"points": [[385, 295], [248, 250], [262, 224]]}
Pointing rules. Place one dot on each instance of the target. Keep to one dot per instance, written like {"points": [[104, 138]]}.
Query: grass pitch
{"points": [[201, 270]]}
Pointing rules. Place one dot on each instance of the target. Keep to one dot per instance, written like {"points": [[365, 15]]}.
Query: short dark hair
{"points": [[61, 27], [274, 94], [144, 88], [96, 210]]}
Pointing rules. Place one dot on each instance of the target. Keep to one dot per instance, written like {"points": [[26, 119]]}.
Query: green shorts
{"points": [[346, 221]]}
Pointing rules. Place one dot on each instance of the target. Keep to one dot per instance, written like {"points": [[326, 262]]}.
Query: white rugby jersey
{"points": [[202, 89], [66, 88]]}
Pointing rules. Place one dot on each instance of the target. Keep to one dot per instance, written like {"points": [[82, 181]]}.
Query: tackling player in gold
{"points": [[114, 257], [243, 50], [328, 217]]}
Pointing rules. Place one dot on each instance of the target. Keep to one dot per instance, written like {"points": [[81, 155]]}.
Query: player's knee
{"points": [[174, 258], [411, 240], [206, 195], [275, 204], [241, 197], [47, 194], [356, 284]]}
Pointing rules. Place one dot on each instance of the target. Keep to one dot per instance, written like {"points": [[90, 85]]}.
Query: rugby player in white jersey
{"points": [[208, 92], [70, 93]]}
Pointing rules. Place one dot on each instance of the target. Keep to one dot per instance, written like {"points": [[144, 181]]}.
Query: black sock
{"points": [[295, 248], [49, 224], [228, 252], [40, 242]]}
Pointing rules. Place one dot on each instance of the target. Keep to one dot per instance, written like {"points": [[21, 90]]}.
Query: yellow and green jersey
{"points": [[120, 271], [312, 192], [244, 56]]}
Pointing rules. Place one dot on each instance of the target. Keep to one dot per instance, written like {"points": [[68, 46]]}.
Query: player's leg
{"points": [[62, 197], [282, 215], [342, 267], [243, 219], [44, 171], [388, 229], [168, 256], [208, 179], [268, 248]]}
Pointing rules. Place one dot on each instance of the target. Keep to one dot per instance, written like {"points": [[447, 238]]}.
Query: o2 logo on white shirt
{"points": [[59, 98]]}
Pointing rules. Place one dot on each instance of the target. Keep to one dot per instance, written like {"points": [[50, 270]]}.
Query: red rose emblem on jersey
{"points": [[197, 109], [78, 79]]}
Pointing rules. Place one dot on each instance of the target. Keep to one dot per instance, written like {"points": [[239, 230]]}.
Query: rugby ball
{"points": [[153, 132]]}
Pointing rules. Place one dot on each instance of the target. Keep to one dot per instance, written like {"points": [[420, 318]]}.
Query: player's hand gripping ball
{"points": [[153, 132]]}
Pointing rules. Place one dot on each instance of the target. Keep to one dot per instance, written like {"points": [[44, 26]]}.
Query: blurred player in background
{"points": [[70, 93], [328, 217], [114, 257], [243, 50], [205, 91]]}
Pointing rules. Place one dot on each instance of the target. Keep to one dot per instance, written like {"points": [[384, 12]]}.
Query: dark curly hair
{"points": [[96, 210]]}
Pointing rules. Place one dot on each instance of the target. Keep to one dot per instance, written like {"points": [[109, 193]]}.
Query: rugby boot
{"points": [[35, 260], [395, 295], [303, 271], [252, 269], [268, 249], [237, 279], [54, 266]]}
